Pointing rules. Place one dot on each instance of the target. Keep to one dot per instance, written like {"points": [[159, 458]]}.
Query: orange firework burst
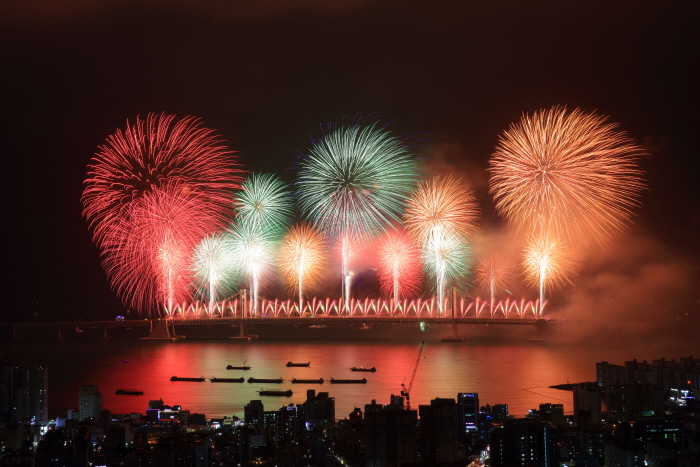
{"points": [[441, 213], [441, 204], [548, 262], [399, 265], [566, 173], [302, 259], [493, 272]]}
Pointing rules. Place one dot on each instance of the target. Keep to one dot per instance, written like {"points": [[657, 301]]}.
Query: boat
{"points": [[242, 367], [128, 392], [298, 364], [275, 392], [361, 368], [177, 378], [307, 381], [348, 381], [227, 380], [266, 380]]}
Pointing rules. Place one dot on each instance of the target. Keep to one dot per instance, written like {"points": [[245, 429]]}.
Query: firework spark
{"points": [[265, 203], [353, 182], [441, 213], [302, 259], [147, 252], [493, 273], [253, 254], [548, 263], [399, 265], [263, 208], [566, 173], [213, 268]]}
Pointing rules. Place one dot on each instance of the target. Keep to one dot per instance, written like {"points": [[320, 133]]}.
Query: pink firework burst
{"points": [[153, 154], [399, 265], [148, 250]]}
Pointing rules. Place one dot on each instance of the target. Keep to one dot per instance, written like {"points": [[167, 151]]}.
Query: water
{"points": [[513, 373]]}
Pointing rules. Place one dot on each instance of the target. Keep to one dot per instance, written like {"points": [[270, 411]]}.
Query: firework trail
{"points": [[214, 270], [147, 252], [152, 154], [493, 273], [548, 262], [567, 174], [353, 182], [302, 259], [441, 213], [263, 208], [399, 265]]}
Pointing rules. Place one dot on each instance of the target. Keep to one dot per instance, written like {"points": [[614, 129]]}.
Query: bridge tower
{"points": [[454, 337], [243, 320]]}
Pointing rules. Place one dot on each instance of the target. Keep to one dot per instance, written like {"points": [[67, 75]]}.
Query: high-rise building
{"points": [[499, 412], [390, 434], [552, 413], [254, 415], [587, 398], [624, 401], [319, 410], [524, 442], [468, 403], [90, 402], [24, 394], [289, 421], [439, 428]]}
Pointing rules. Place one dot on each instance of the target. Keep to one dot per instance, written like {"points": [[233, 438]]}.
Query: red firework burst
{"points": [[147, 252], [153, 154], [399, 265]]}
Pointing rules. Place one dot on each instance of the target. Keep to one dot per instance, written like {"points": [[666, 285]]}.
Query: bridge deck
{"points": [[323, 320]]}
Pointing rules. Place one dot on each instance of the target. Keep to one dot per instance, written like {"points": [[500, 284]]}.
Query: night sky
{"points": [[268, 75]]}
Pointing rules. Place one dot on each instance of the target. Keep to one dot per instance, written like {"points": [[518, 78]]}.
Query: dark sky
{"points": [[266, 75]]}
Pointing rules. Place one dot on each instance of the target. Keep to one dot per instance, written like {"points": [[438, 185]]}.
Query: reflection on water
{"points": [[517, 374]]}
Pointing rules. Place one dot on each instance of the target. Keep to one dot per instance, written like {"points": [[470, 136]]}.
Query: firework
{"points": [[446, 257], [548, 262], [493, 273], [253, 253], [302, 259], [353, 182], [265, 204], [153, 154], [399, 265], [147, 252], [568, 174], [263, 210], [213, 268], [441, 213]]}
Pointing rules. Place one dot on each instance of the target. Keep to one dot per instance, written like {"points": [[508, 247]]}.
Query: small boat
{"points": [[307, 381], [266, 380], [128, 392], [275, 392], [227, 380], [298, 364], [242, 367], [361, 368], [177, 378], [348, 381]]}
